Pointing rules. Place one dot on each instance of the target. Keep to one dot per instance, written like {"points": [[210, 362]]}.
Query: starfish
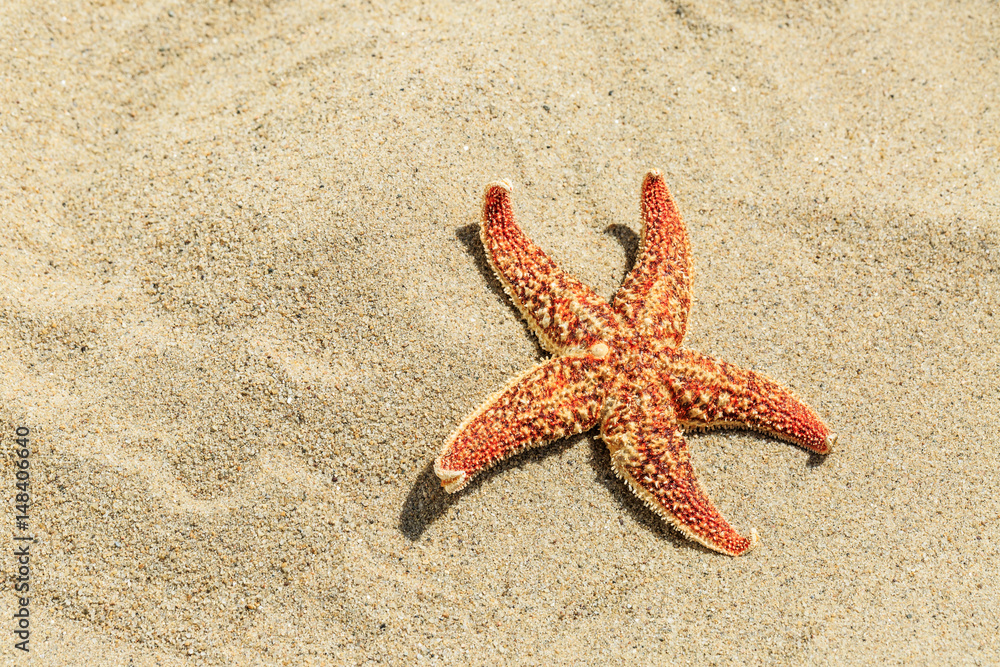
{"points": [[621, 365]]}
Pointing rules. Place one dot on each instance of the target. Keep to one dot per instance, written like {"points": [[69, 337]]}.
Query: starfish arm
{"points": [[656, 296], [714, 394], [555, 399], [649, 452], [564, 313]]}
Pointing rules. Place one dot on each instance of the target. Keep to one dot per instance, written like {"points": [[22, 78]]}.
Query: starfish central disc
{"points": [[620, 366]]}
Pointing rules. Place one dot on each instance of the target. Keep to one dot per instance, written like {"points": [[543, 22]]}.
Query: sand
{"points": [[243, 302]]}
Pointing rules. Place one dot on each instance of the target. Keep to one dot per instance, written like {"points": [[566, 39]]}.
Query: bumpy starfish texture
{"points": [[621, 365]]}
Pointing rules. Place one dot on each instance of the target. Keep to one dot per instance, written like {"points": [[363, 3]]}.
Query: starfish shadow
{"points": [[469, 236], [427, 501], [424, 504], [600, 462], [814, 460], [628, 240]]}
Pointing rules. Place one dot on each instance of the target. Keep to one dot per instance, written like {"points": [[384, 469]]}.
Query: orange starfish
{"points": [[621, 365]]}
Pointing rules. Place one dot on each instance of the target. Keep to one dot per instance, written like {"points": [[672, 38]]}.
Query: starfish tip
{"points": [[754, 538], [652, 175], [730, 549], [451, 480], [492, 187]]}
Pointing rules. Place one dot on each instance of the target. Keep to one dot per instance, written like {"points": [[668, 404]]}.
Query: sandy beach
{"points": [[244, 301]]}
